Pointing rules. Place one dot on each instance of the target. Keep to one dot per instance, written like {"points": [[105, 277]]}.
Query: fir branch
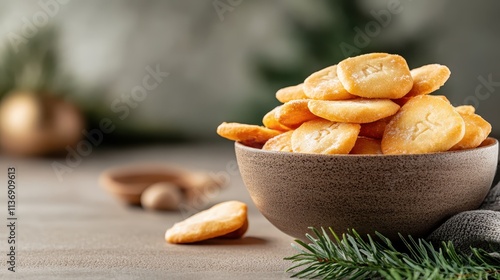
{"points": [[329, 256], [34, 65]]}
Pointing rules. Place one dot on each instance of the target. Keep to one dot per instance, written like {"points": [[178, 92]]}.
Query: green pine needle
{"points": [[349, 256]]}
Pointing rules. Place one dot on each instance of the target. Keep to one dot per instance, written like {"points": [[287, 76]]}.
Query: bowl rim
{"points": [[484, 145]]}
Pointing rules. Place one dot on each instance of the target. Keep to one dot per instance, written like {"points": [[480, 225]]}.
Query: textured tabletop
{"points": [[72, 229]]}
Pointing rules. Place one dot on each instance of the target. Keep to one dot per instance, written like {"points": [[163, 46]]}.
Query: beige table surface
{"points": [[73, 229]]}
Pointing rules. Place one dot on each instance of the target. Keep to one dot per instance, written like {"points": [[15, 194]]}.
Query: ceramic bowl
{"points": [[391, 194]]}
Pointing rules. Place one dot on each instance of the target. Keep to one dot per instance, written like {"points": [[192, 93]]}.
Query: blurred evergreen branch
{"points": [[319, 45], [319, 48], [33, 65]]}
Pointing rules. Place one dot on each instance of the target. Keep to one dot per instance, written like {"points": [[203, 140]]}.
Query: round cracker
{"points": [[325, 137], [270, 121], [374, 129], [325, 85], [248, 134], [291, 93], [476, 131], [403, 100], [375, 75], [353, 111], [294, 113], [425, 124], [428, 78], [465, 110], [280, 143], [221, 219], [237, 233], [366, 146]]}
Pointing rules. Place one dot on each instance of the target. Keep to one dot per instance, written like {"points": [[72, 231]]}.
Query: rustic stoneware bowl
{"points": [[409, 194]]}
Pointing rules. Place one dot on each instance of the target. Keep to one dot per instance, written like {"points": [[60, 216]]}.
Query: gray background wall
{"points": [[211, 62]]}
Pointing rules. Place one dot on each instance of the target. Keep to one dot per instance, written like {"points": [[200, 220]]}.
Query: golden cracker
{"points": [[425, 124], [280, 143], [403, 100], [366, 146], [465, 110], [353, 111], [221, 219], [325, 137], [374, 129], [291, 93], [476, 131], [248, 134], [293, 113], [325, 85], [376, 75], [270, 121], [428, 78], [237, 233]]}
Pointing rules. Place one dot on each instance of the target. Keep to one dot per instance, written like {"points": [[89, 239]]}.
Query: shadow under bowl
{"points": [[391, 194]]}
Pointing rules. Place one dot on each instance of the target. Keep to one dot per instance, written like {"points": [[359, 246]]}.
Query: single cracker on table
{"points": [[221, 219], [291, 93], [376, 75], [428, 78], [425, 124], [374, 129], [248, 134], [325, 85], [294, 113], [353, 111], [325, 137], [366, 146], [476, 131], [271, 121], [237, 233], [465, 110], [280, 143]]}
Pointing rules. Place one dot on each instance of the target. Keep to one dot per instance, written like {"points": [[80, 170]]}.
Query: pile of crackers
{"points": [[368, 104]]}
